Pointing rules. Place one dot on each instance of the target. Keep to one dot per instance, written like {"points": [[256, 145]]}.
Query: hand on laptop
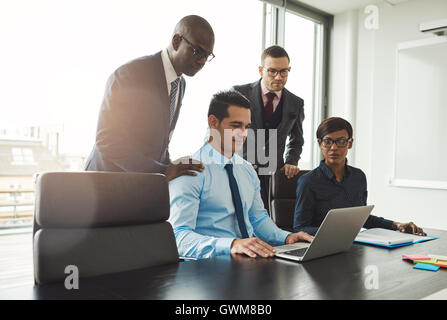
{"points": [[252, 247], [299, 236], [409, 227]]}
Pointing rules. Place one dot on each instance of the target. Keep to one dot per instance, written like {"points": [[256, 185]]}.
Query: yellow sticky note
{"points": [[438, 257], [442, 264], [431, 261]]}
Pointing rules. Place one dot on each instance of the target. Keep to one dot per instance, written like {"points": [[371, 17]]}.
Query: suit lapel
{"points": [[257, 105], [162, 89]]}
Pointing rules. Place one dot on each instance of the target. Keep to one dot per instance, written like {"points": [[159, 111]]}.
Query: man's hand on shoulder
{"points": [[299, 236], [183, 166]]}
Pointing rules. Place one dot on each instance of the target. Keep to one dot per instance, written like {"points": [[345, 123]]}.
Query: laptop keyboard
{"points": [[297, 252]]}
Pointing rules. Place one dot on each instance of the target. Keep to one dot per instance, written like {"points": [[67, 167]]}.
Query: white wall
{"points": [[368, 77]]}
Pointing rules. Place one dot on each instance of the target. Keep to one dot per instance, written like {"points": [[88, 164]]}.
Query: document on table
{"points": [[389, 238]]}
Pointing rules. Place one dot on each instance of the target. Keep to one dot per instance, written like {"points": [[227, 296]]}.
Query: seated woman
{"points": [[334, 184]]}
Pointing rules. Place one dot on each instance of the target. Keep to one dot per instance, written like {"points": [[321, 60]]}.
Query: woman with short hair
{"points": [[335, 184]]}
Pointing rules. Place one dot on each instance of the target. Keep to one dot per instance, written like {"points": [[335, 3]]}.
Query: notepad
{"points": [[389, 238], [429, 261], [424, 266], [437, 256], [413, 257], [442, 264], [383, 237]]}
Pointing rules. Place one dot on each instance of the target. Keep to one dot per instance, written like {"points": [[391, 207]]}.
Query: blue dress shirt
{"points": [[318, 191], [202, 210]]}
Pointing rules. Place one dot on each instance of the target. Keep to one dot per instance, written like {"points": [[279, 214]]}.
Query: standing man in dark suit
{"points": [[142, 103], [274, 107]]}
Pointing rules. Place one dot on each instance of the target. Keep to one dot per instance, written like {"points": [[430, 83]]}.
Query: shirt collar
{"points": [[264, 90], [328, 172], [209, 155], [170, 73]]}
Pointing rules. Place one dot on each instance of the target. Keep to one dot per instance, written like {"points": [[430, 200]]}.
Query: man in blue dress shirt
{"points": [[220, 211], [334, 184]]}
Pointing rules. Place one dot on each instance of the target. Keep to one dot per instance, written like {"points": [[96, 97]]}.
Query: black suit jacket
{"points": [[291, 124], [133, 130]]}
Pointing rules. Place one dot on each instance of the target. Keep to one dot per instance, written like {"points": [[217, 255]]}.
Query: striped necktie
{"points": [[237, 201], [174, 89]]}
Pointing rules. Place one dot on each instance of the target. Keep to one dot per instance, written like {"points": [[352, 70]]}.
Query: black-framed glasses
{"points": [[283, 72], [199, 53], [340, 142]]}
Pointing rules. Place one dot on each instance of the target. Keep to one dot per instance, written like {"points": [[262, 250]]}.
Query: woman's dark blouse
{"points": [[318, 191]]}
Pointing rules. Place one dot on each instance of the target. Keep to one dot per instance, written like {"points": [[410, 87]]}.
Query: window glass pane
{"points": [[299, 43], [28, 155], [238, 50], [71, 62], [17, 156]]}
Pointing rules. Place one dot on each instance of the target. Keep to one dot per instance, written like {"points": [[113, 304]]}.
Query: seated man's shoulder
{"points": [[187, 182], [191, 181]]}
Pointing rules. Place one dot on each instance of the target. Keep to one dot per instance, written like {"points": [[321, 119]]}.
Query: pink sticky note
{"points": [[415, 257]]}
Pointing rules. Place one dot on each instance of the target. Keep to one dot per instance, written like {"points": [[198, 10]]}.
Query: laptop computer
{"points": [[336, 234]]}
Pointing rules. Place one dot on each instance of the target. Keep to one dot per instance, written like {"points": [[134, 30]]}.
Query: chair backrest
{"points": [[282, 196], [101, 223]]}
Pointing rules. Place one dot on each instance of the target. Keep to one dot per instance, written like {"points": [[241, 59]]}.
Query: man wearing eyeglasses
{"points": [[142, 102], [273, 107], [335, 184]]}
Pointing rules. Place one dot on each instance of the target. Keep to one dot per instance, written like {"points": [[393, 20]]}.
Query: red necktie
{"points": [[269, 106]]}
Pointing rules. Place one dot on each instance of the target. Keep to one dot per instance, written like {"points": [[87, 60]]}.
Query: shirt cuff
{"points": [[223, 245], [283, 236]]}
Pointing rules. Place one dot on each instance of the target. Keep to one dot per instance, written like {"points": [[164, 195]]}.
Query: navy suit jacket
{"points": [[291, 124], [133, 130]]}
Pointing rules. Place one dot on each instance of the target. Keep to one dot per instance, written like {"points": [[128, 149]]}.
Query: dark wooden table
{"points": [[340, 276]]}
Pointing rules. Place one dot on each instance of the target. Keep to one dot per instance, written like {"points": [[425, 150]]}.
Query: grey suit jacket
{"points": [[133, 130], [291, 124]]}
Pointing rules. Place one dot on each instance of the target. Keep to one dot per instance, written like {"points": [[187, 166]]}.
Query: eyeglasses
{"points": [[283, 72], [340, 142], [199, 53]]}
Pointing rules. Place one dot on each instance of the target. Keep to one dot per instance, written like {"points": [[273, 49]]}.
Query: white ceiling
{"points": [[338, 6]]}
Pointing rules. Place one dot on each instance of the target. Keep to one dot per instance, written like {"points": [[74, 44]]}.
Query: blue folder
{"points": [[426, 238]]}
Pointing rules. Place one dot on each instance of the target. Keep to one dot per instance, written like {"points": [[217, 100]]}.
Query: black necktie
{"points": [[237, 201]]}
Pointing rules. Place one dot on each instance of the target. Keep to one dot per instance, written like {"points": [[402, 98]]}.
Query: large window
{"points": [[56, 57]]}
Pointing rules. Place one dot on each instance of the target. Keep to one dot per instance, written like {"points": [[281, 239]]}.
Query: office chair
{"points": [[282, 196], [101, 223]]}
